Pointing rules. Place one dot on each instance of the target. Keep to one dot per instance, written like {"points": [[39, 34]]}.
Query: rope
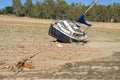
{"points": [[20, 65]]}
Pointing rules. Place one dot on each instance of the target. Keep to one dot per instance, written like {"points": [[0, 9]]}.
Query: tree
{"points": [[17, 7], [61, 9], [1, 11], [116, 12], [49, 8], [8, 10], [28, 7], [37, 11]]}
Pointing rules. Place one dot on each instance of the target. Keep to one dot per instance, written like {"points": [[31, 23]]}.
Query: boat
{"points": [[68, 31]]}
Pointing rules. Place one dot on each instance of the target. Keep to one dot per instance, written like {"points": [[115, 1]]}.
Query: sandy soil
{"points": [[23, 37]]}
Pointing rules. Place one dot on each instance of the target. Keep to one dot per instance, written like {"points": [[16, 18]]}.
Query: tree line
{"points": [[60, 9]]}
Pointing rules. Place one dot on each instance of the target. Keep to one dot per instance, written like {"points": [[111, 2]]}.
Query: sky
{"points": [[4, 3]]}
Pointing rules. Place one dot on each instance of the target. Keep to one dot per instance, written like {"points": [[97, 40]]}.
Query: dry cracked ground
{"points": [[98, 59]]}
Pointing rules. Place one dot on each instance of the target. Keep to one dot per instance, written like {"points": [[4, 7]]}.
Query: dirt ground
{"points": [[23, 37]]}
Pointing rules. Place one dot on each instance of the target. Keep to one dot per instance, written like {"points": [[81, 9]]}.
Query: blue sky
{"points": [[4, 3]]}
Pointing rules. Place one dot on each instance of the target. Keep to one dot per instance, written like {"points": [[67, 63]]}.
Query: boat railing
{"points": [[66, 28]]}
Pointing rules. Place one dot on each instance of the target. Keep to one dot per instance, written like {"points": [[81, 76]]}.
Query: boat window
{"points": [[65, 27], [74, 26]]}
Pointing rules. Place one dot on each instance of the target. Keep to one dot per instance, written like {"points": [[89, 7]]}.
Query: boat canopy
{"points": [[82, 20]]}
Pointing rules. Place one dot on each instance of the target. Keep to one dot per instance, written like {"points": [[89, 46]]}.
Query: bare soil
{"points": [[23, 37]]}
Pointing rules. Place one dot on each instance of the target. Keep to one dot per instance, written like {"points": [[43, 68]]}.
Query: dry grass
{"points": [[21, 37], [104, 34], [12, 21], [12, 24], [106, 25]]}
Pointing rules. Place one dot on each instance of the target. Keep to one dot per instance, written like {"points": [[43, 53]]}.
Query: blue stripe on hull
{"points": [[57, 34]]}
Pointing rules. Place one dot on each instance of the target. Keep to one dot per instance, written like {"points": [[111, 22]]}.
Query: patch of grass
{"points": [[12, 24], [105, 33], [39, 29], [32, 30]]}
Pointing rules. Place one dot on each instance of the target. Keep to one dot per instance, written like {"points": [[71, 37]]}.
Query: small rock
{"points": [[59, 45]]}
